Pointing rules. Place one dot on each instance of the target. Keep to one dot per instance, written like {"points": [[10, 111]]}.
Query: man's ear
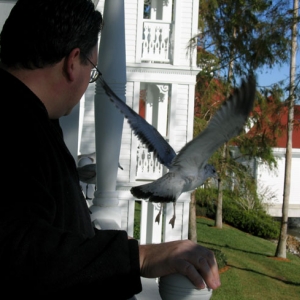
{"points": [[71, 64]]}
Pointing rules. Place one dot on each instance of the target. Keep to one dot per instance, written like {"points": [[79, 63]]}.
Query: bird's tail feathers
{"points": [[162, 190]]}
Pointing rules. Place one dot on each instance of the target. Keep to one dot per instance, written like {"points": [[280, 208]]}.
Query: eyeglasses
{"points": [[95, 73]]}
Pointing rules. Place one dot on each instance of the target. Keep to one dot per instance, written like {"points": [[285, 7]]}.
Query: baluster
{"points": [[151, 50], [143, 160], [157, 41]]}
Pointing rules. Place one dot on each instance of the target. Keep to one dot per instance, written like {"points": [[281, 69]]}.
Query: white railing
{"points": [[149, 230], [147, 165], [157, 42]]}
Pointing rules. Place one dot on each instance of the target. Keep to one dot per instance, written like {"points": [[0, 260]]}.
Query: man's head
{"points": [[39, 33], [46, 43]]}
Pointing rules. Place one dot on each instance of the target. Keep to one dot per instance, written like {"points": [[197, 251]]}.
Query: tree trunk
{"points": [[281, 246], [219, 216], [192, 219], [219, 213]]}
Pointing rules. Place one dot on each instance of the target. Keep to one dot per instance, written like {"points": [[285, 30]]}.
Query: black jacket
{"points": [[48, 246]]}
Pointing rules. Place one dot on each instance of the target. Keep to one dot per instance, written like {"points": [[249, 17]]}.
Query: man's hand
{"points": [[185, 257]]}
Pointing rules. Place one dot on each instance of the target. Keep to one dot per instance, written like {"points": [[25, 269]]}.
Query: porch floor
{"points": [[150, 290]]}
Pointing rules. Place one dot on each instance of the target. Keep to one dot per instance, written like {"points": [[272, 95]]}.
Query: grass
{"points": [[252, 272], [137, 220]]}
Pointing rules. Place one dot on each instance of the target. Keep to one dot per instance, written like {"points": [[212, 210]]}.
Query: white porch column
{"points": [[108, 120]]}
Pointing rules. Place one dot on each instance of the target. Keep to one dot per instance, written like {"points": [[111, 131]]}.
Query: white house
{"points": [[273, 180], [160, 84]]}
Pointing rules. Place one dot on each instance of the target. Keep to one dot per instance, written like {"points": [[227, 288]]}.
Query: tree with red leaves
{"points": [[235, 37]]}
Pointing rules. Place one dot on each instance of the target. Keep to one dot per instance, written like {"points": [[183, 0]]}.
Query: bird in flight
{"points": [[188, 169]]}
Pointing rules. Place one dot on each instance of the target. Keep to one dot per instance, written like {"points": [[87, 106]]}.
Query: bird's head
{"points": [[210, 171]]}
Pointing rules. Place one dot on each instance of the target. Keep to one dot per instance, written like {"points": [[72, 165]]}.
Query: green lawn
{"points": [[253, 272]]}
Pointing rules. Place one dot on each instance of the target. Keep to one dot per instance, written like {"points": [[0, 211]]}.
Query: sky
{"points": [[267, 77]]}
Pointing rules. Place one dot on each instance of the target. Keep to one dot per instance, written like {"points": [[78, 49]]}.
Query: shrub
{"points": [[256, 221]]}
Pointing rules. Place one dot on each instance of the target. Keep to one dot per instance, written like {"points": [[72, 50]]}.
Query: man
{"points": [[48, 246]]}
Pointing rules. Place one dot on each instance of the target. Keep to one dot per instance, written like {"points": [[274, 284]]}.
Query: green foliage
{"points": [[136, 230], [265, 127], [254, 221], [246, 34], [206, 199], [199, 125], [137, 220]]}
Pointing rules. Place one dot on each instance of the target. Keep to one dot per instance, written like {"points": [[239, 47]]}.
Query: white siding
{"points": [[131, 13], [274, 180], [185, 29], [181, 117]]}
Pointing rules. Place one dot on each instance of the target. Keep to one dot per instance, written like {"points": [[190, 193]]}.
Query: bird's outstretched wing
{"points": [[226, 123], [145, 132]]}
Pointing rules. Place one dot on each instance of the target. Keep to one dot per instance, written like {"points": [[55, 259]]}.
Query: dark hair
{"points": [[38, 33]]}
